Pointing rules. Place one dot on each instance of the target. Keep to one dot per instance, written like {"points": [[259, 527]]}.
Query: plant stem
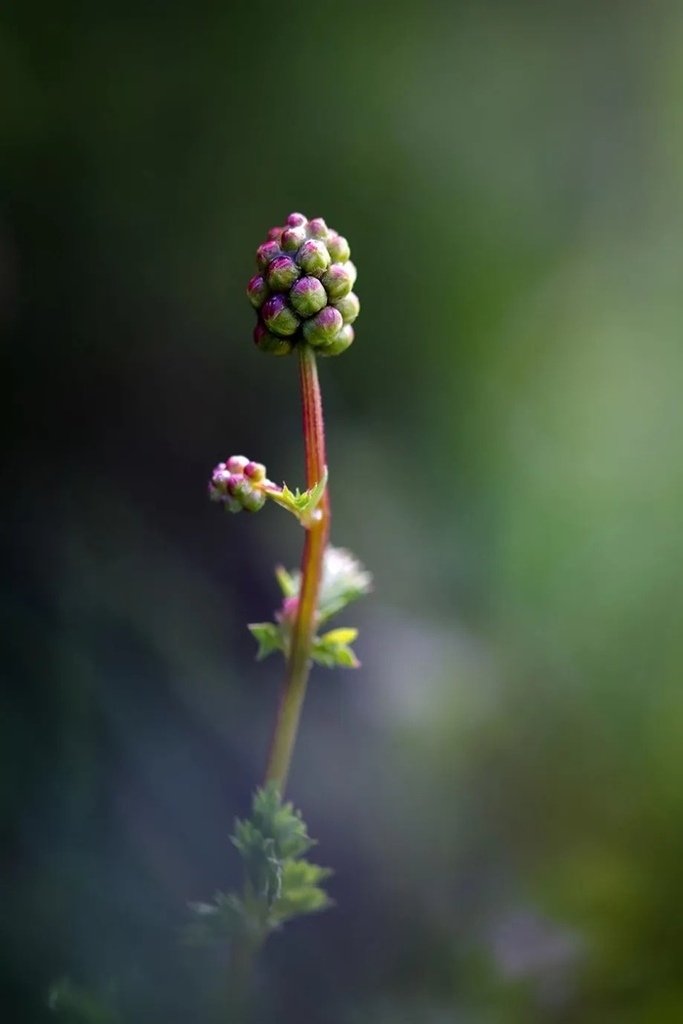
{"points": [[299, 661]]}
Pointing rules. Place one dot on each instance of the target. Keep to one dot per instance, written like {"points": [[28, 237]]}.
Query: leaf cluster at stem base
{"points": [[279, 883]]}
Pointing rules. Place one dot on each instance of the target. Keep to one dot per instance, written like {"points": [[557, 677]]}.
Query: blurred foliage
{"points": [[499, 787], [279, 883]]}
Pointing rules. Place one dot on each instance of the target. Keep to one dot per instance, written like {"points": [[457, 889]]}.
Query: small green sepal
{"points": [[332, 649], [268, 636]]}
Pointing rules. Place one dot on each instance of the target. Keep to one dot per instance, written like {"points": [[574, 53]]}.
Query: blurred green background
{"points": [[500, 787]]}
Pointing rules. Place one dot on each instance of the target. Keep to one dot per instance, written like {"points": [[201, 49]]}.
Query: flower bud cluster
{"points": [[303, 289], [239, 484]]}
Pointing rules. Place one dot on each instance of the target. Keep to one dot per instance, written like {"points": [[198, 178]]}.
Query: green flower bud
{"points": [[337, 281], [266, 253], [257, 291], [303, 290], [250, 499], [308, 296], [282, 273], [292, 238], [297, 220], [317, 228], [313, 257], [349, 307], [232, 503], [338, 248], [278, 317], [339, 344], [269, 343], [323, 327]]}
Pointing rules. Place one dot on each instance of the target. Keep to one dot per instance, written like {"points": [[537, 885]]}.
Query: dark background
{"points": [[499, 788]]}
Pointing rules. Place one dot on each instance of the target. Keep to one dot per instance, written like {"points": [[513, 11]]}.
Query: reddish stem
{"points": [[303, 631]]}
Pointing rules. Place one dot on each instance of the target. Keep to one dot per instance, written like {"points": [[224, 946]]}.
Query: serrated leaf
{"points": [[301, 891], [302, 504], [280, 822], [278, 883], [269, 637], [311, 499]]}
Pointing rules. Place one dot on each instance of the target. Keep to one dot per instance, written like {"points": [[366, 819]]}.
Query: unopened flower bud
{"points": [[317, 228], [218, 484], [270, 343], [303, 291], [349, 307], [235, 484], [249, 498], [253, 500], [339, 344], [236, 463], [257, 291], [255, 471], [338, 248], [313, 257], [292, 238], [308, 296], [323, 327], [337, 281], [278, 317], [266, 253], [282, 273]]}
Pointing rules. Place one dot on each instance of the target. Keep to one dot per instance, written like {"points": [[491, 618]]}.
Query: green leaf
{"points": [[302, 504], [273, 833], [278, 883], [332, 650], [280, 822], [269, 637], [301, 891]]}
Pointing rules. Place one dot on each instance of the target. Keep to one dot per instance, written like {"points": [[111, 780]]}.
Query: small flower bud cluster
{"points": [[239, 484], [303, 289]]}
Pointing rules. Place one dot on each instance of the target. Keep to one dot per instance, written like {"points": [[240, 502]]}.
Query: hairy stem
{"points": [[299, 661]]}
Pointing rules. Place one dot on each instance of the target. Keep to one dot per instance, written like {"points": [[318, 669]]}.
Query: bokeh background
{"points": [[500, 787]]}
